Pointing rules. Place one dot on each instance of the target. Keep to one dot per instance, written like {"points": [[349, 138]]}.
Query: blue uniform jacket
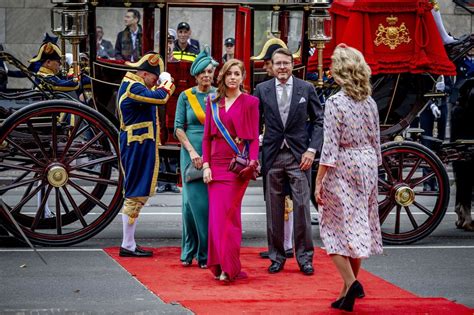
{"points": [[56, 83], [140, 133]]}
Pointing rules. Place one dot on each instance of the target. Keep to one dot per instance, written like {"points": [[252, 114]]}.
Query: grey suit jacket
{"points": [[306, 114]]}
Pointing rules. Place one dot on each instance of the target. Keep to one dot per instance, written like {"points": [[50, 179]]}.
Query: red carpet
{"points": [[287, 292]]}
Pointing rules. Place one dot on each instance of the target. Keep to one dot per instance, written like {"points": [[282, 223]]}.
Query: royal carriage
{"points": [[60, 154]]}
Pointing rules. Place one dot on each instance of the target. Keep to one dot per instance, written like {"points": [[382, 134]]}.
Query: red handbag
{"points": [[237, 164]]}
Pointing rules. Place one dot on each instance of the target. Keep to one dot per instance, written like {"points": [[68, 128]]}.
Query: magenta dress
{"points": [[226, 190]]}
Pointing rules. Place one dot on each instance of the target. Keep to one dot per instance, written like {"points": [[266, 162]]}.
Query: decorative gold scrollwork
{"points": [[392, 35]]}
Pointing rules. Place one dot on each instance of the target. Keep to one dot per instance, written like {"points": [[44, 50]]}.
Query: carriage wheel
{"points": [[413, 192], [61, 156]]}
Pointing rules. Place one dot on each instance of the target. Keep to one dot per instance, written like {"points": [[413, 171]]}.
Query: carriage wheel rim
{"points": [[57, 176], [404, 196]]}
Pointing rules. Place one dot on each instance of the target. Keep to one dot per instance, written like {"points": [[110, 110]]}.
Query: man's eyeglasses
{"points": [[284, 64]]}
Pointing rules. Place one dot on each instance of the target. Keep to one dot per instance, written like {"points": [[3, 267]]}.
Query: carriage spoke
{"points": [[103, 160], [71, 138], [54, 133], [86, 146], [400, 167], [386, 211], [63, 202], [17, 167], [87, 195], [4, 189], [27, 191], [384, 184], [20, 177], [37, 139], [94, 179], [412, 219], [397, 220], [83, 129], [421, 180], [388, 171], [26, 153], [22, 202], [75, 207], [428, 193], [58, 213], [423, 208], [41, 207], [413, 170]]}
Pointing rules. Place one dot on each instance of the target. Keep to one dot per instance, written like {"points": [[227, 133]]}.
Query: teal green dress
{"points": [[195, 200]]}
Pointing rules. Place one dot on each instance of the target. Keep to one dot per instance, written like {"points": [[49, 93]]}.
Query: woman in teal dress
{"points": [[189, 130]]}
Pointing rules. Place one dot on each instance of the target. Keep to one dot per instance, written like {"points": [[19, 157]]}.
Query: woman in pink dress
{"points": [[346, 184], [238, 112]]}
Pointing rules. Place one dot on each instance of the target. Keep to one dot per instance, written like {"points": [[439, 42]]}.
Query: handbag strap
{"points": [[221, 127], [196, 107]]}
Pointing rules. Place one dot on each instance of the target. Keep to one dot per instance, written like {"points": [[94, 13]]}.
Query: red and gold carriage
{"points": [[73, 166]]}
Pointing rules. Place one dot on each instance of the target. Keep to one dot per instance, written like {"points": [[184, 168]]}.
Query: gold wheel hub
{"points": [[404, 196], [57, 176]]}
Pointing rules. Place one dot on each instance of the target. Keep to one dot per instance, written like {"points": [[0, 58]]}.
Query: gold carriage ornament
{"points": [[392, 36]]}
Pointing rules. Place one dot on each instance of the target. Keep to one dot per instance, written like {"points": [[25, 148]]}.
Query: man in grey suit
{"points": [[287, 104]]}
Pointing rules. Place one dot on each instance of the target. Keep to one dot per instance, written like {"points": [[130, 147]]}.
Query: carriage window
{"points": [[294, 31], [261, 31], [113, 39], [199, 21], [228, 31]]}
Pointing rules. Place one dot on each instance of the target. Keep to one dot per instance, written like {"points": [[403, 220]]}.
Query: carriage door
{"points": [[243, 40]]}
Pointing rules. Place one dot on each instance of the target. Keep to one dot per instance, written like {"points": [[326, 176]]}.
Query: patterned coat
{"points": [[140, 133], [349, 218]]}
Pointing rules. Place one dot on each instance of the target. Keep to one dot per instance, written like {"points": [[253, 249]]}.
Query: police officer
{"points": [[185, 48], [229, 44], [138, 99]]}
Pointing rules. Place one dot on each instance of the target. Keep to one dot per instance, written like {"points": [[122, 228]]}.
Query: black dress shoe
{"points": [[161, 189], [264, 254], [354, 291], [276, 267], [289, 253], [174, 189], [307, 269], [136, 253], [142, 250], [314, 221]]}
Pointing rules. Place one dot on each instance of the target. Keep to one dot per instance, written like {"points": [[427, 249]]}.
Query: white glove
{"points": [[435, 110], [440, 86], [260, 140], [165, 76]]}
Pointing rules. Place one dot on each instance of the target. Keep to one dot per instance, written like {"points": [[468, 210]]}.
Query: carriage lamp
{"points": [[320, 31], [57, 29], [275, 22], [74, 28]]}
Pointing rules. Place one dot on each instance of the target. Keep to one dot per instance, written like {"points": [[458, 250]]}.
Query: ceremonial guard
{"points": [[49, 56], [139, 139]]}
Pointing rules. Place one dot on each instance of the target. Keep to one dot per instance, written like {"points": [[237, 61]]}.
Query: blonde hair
{"points": [[351, 72], [221, 87]]}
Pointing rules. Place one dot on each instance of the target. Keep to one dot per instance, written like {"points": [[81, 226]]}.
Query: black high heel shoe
{"points": [[337, 303], [354, 291]]}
